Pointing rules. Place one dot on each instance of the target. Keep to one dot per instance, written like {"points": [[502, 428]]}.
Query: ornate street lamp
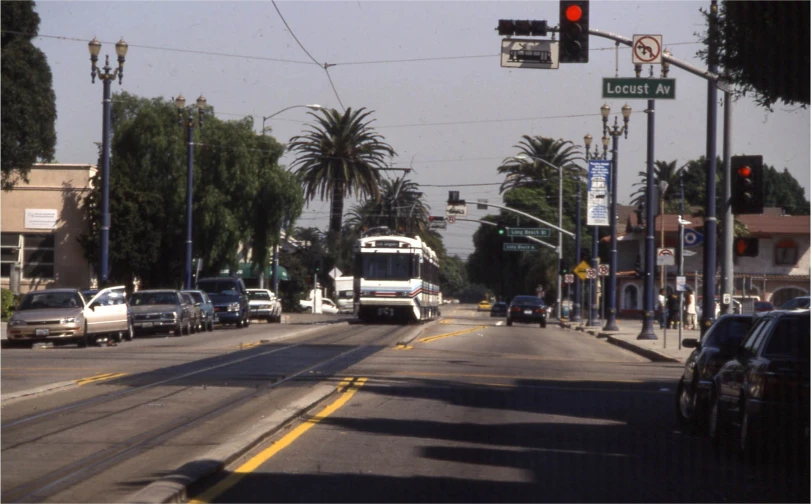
{"points": [[106, 74], [180, 103], [615, 132], [311, 106]]}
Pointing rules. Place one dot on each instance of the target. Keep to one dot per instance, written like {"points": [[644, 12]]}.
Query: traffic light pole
{"points": [[727, 263]]}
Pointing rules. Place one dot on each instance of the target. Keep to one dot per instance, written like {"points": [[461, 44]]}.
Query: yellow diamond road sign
{"points": [[581, 269]]}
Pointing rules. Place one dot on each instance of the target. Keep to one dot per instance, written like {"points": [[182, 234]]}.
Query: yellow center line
{"points": [[448, 335], [97, 378], [252, 464], [249, 345]]}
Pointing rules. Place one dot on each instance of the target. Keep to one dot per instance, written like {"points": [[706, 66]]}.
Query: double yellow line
{"points": [[347, 388], [448, 335], [98, 378]]}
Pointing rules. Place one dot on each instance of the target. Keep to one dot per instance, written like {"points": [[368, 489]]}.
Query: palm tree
{"points": [[662, 171], [400, 207], [338, 157], [523, 171]]}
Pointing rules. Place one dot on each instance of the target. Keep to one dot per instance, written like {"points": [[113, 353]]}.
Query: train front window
{"points": [[386, 266]]}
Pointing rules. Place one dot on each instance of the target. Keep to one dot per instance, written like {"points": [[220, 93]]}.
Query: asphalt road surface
{"points": [[486, 413]]}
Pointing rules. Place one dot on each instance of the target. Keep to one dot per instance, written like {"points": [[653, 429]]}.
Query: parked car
{"points": [[763, 306], [195, 312], [157, 311], [529, 309], [484, 305], [798, 303], [327, 306], [230, 299], [717, 346], [204, 302], [761, 394], [65, 316], [264, 305], [118, 295], [499, 309]]}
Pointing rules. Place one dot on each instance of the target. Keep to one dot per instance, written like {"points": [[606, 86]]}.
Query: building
{"points": [[780, 271], [40, 226]]}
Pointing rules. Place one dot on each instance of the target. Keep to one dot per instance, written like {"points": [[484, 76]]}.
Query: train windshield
{"points": [[386, 266]]}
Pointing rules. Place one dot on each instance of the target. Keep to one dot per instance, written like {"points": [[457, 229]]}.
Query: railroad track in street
{"points": [[312, 359]]}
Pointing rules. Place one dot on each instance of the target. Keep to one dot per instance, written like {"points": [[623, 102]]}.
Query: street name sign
{"points": [[521, 247], [642, 88], [528, 53], [541, 232]]}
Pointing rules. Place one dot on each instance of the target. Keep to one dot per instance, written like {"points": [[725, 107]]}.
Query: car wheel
{"points": [[192, 327], [509, 322], [82, 342], [686, 408], [179, 330], [543, 324], [130, 332], [210, 326]]}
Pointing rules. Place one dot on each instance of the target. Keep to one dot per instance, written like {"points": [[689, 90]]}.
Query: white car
{"points": [[327, 306], [264, 304]]}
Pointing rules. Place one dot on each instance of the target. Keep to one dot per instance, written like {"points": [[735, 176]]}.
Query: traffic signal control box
{"points": [[747, 185]]}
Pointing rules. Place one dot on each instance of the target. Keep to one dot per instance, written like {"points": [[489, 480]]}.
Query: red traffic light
{"points": [[574, 13], [744, 171]]}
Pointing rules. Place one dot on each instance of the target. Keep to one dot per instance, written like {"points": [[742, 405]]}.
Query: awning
{"points": [[246, 270]]}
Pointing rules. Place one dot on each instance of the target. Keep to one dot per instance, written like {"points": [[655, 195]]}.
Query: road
{"points": [[468, 410], [499, 414]]}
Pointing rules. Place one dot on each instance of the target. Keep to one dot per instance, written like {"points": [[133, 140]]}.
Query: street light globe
{"points": [[626, 111], [605, 110], [605, 141], [314, 106], [201, 102], [94, 46], [587, 140], [663, 186], [121, 48], [180, 102]]}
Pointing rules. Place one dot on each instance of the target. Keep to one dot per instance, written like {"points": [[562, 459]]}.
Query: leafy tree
{"points": [[28, 99], [339, 156], [241, 195], [784, 191], [763, 47]]}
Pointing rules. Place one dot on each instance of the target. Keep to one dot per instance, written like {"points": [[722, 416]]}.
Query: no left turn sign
{"points": [[647, 49]]}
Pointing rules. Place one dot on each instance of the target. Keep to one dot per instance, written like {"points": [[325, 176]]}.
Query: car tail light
{"points": [[774, 386], [515, 309]]}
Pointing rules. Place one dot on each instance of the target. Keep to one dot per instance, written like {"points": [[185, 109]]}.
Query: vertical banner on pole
{"points": [[598, 192]]}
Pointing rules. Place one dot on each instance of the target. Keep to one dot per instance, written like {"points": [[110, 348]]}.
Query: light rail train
{"points": [[395, 276]]}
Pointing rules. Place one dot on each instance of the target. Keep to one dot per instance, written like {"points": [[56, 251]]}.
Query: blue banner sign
{"points": [[599, 193]]}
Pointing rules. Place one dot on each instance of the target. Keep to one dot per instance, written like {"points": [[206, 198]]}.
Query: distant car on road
{"points": [[484, 305], [499, 309], [160, 310], [717, 346], [264, 305], [195, 312], [529, 309], [327, 306], [230, 299], [204, 302]]}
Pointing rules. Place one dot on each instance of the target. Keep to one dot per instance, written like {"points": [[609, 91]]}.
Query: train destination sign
{"points": [[521, 247], [541, 232], [642, 88]]}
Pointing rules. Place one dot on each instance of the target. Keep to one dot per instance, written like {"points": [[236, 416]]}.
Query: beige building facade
{"points": [[40, 227]]}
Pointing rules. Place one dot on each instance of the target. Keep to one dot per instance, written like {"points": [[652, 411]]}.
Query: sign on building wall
{"points": [[598, 195], [40, 218]]}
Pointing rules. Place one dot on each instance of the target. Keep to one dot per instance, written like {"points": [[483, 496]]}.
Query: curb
{"points": [[647, 353], [172, 487]]}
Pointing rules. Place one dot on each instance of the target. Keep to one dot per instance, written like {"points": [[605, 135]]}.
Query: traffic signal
{"points": [[574, 31], [509, 27], [746, 247], [564, 267], [502, 229], [317, 266], [747, 185], [585, 255]]}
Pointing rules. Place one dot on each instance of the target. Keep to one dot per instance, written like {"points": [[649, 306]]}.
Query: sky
{"points": [[429, 70]]}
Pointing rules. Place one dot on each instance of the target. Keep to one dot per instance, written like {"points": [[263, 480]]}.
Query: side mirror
{"points": [[689, 343]]}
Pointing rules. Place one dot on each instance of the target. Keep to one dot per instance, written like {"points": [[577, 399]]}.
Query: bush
{"points": [[7, 303]]}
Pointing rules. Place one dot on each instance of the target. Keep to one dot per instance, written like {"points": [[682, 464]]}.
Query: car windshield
{"points": [[727, 332], [218, 286], [197, 296], [796, 303], [790, 338], [153, 298], [527, 300], [43, 300], [259, 295]]}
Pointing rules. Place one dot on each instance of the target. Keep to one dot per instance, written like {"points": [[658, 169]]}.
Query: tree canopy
{"points": [[240, 195], [763, 47], [27, 95]]}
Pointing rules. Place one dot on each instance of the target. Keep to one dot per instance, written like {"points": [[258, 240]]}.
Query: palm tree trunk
{"points": [[337, 207]]}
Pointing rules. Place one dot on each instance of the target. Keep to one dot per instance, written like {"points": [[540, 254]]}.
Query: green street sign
{"points": [[541, 232], [647, 89], [521, 247]]}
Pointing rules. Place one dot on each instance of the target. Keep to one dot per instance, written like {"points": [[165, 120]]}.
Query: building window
{"points": [[34, 252], [785, 252], [630, 297]]}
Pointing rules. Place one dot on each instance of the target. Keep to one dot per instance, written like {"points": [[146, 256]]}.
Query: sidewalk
{"points": [[663, 349]]}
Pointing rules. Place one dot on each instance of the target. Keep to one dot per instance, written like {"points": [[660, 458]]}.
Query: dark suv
{"points": [[230, 299]]}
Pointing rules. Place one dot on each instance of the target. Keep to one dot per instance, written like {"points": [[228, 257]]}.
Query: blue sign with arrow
{"points": [[692, 238]]}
